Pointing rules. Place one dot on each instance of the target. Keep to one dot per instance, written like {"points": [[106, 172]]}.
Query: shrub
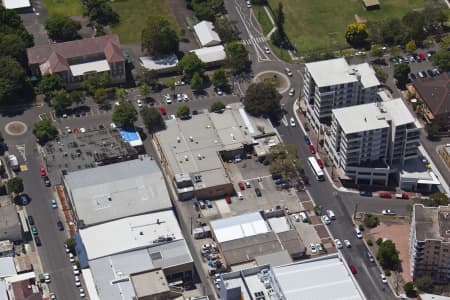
{"points": [[387, 272], [379, 241], [371, 221], [369, 242]]}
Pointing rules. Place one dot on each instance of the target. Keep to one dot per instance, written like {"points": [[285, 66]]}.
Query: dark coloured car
{"points": [[258, 192], [46, 181], [286, 185], [60, 225], [430, 73], [37, 240], [23, 199], [412, 76], [276, 176], [307, 140], [278, 181], [366, 193], [30, 220]]}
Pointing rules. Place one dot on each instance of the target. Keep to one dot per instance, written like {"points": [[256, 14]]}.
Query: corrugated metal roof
{"points": [[239, 227]]}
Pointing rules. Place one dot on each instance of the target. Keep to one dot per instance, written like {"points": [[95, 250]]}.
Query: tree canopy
{"points": [[225, 29], [183, 112], [206, 9], [387, 255], [44, 131], [124, 115], [152, 118], [191, 64], [92, 83], [217, 106], [262, 99], [219, 78], [159, 37], [61, 100], [435, 200], [197, 82], [49, 83], [101, 12], [237, 57], [12, 80], [442, 60], [424, 284], [356, 34], [61, 28], [15, 185], [401, 72], [285, 162]]}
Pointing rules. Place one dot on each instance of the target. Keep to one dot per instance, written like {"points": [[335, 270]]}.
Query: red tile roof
{"points": [[22, 290], [435, 92], [58, 54]]}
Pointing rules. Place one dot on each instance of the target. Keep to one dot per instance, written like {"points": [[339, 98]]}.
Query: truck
{"points": [[13, 162]]}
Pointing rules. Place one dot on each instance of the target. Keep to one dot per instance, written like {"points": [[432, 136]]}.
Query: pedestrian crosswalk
{"points": [[254, 40]]}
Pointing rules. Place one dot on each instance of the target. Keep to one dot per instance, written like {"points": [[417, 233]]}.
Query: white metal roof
{"points": [[211, 54], [117, 190], [398, 111], [237, 227], [368, 78], [206, 34], [129, 234], [7, 267], [321, 279], [16, 4], [167, 62], [93, 66]]}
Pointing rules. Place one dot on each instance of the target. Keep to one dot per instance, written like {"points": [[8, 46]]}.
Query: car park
{"points": [[292, 122], [60, 225], [347, 244], [312, 246], [46, 181], [312, 149], [385, 195], [326, 220], [388, 212], [37, 240], [338, 243], [267, 50], [353, 269], [30, 220], [258, 192], [291, 92], [54, 205], [42, 171]]}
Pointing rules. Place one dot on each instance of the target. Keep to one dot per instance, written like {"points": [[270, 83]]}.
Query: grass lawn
{"points": [[64, 7], [320, 25], [133, 14], [263, 19]]}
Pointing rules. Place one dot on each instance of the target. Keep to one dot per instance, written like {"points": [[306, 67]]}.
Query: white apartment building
{"points": [[429, 243], [369, 142], [333, 83]]}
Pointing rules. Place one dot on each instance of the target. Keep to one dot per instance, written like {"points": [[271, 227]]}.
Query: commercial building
{"points": [[162, 65], [121, 254], [75, 60], [211, 56], [116, 191], [21, 287], [322, 278], [369, 142], [206, 35], [435, 94], [20, 5], [192, 151], [333, 83], [251, 237], [10, 226], [429, 243]]}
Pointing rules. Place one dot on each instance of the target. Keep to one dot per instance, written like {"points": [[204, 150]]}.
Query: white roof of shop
{"points": [[93, 66], [16, 4], [238, 227], [211, 54], [206, 34]]}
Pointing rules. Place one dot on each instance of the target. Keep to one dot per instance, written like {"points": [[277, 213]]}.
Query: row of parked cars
{"points": [[424, 74], [412, 58]]}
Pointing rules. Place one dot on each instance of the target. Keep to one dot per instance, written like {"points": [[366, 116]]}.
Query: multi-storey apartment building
{"points": [[429, 243], [75, 60], [333, 84], [370, 141]]}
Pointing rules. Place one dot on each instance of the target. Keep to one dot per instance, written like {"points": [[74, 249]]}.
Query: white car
{"points": [[296, 217], [267, 50], [326, 220], [247, 184], [383, 278], [139, 103], [82, 293], [82, 130], [168, 99], [347, 244], [180, 97], [219, 92], [66, 248], [68, 129], [313, 248], [249, 5], [288, 72], [179, 83], [47, 278], [71, 258], [185, 98], [52, 296], [291, 92], [388, 212], [338, 243], [208, 246], [75, 270], [77, 281], [292, 122], [319, 247], [112, 125]]}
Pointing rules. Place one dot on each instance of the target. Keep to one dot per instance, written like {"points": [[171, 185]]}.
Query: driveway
{"points": [[34, 22]]}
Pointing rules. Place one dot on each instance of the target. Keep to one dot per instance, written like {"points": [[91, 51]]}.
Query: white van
{"points": [[358, 233]]}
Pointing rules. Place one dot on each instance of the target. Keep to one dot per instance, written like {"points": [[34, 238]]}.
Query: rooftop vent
{"points": [[186, 158], [109, 198], [191, 138], [178, 139]]}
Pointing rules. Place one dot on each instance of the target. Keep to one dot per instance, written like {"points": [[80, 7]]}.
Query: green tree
{"points": [[393, 31], [158, 36], [225, 29], [77, 97], [12, 80], [356, 34], [371, 221], [401, 72], [207, 9], [191, 64], [197, 82], [387, 255], [219, 78], [71, 244], [44, 131], [217, 106], [237, 57], [380, 73], [15, 185], [101, 12], [13, 45], [150, 77], [120, 93], [93, 83], [411, 46], [424, 284], [152, 118], [262, 99], [61, 100], [445, 43], [442, 60], [124, 115], [144, 89], [50, 83], [11, 23], [279, 19], [414, 23], [376, 51], [183, 112], [432, 129], [435, 200], [409, 290], [285, 162], [61, 28], [100, 96]]}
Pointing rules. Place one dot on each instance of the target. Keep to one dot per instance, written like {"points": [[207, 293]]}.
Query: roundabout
{"points": [[278, 79], [16, 128]]}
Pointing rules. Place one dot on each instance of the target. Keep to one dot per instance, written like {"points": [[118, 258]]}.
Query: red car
{"points": [[228, 199], [353, 269], [241, 185], [312, 149], [320, 163], [163, 110], [76, 131], [42, 171], [385, 195]]}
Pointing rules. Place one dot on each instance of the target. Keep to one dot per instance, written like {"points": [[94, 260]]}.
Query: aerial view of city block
{"points": [[224, 149]]}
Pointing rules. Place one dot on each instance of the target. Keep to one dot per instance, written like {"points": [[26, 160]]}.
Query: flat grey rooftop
{"points": [[432, 222], [118, 190]]}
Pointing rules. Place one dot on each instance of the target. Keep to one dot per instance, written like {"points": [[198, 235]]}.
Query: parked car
{"points": [[385, 195], [228, 199], [402, 196], [365, 193], [30, 220], [430, 73], [291, 92], [46, 181], [37, 240], [319, 248], [239, 195], [388, 212], [296, 217], [312, 149], [307, 140], [219, 92], [370, 256], [34, 230], [82, 293], [185, 98], [163, 110], [71, 257], [312, 246], [77, 281], [168, 99], [383, 278], [241, 185], [338, 243], [60, 225], [292, 122], [258, 192], [347, 244], [326, 220], [288, 72], [412, 76], [208, 203], [42, 171], [331, 214], [266, 50], [139, 103], [75, 270], [54, 205], [353, 269], [47, 278], [320, 163], [247, 184], [52, 296]]}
